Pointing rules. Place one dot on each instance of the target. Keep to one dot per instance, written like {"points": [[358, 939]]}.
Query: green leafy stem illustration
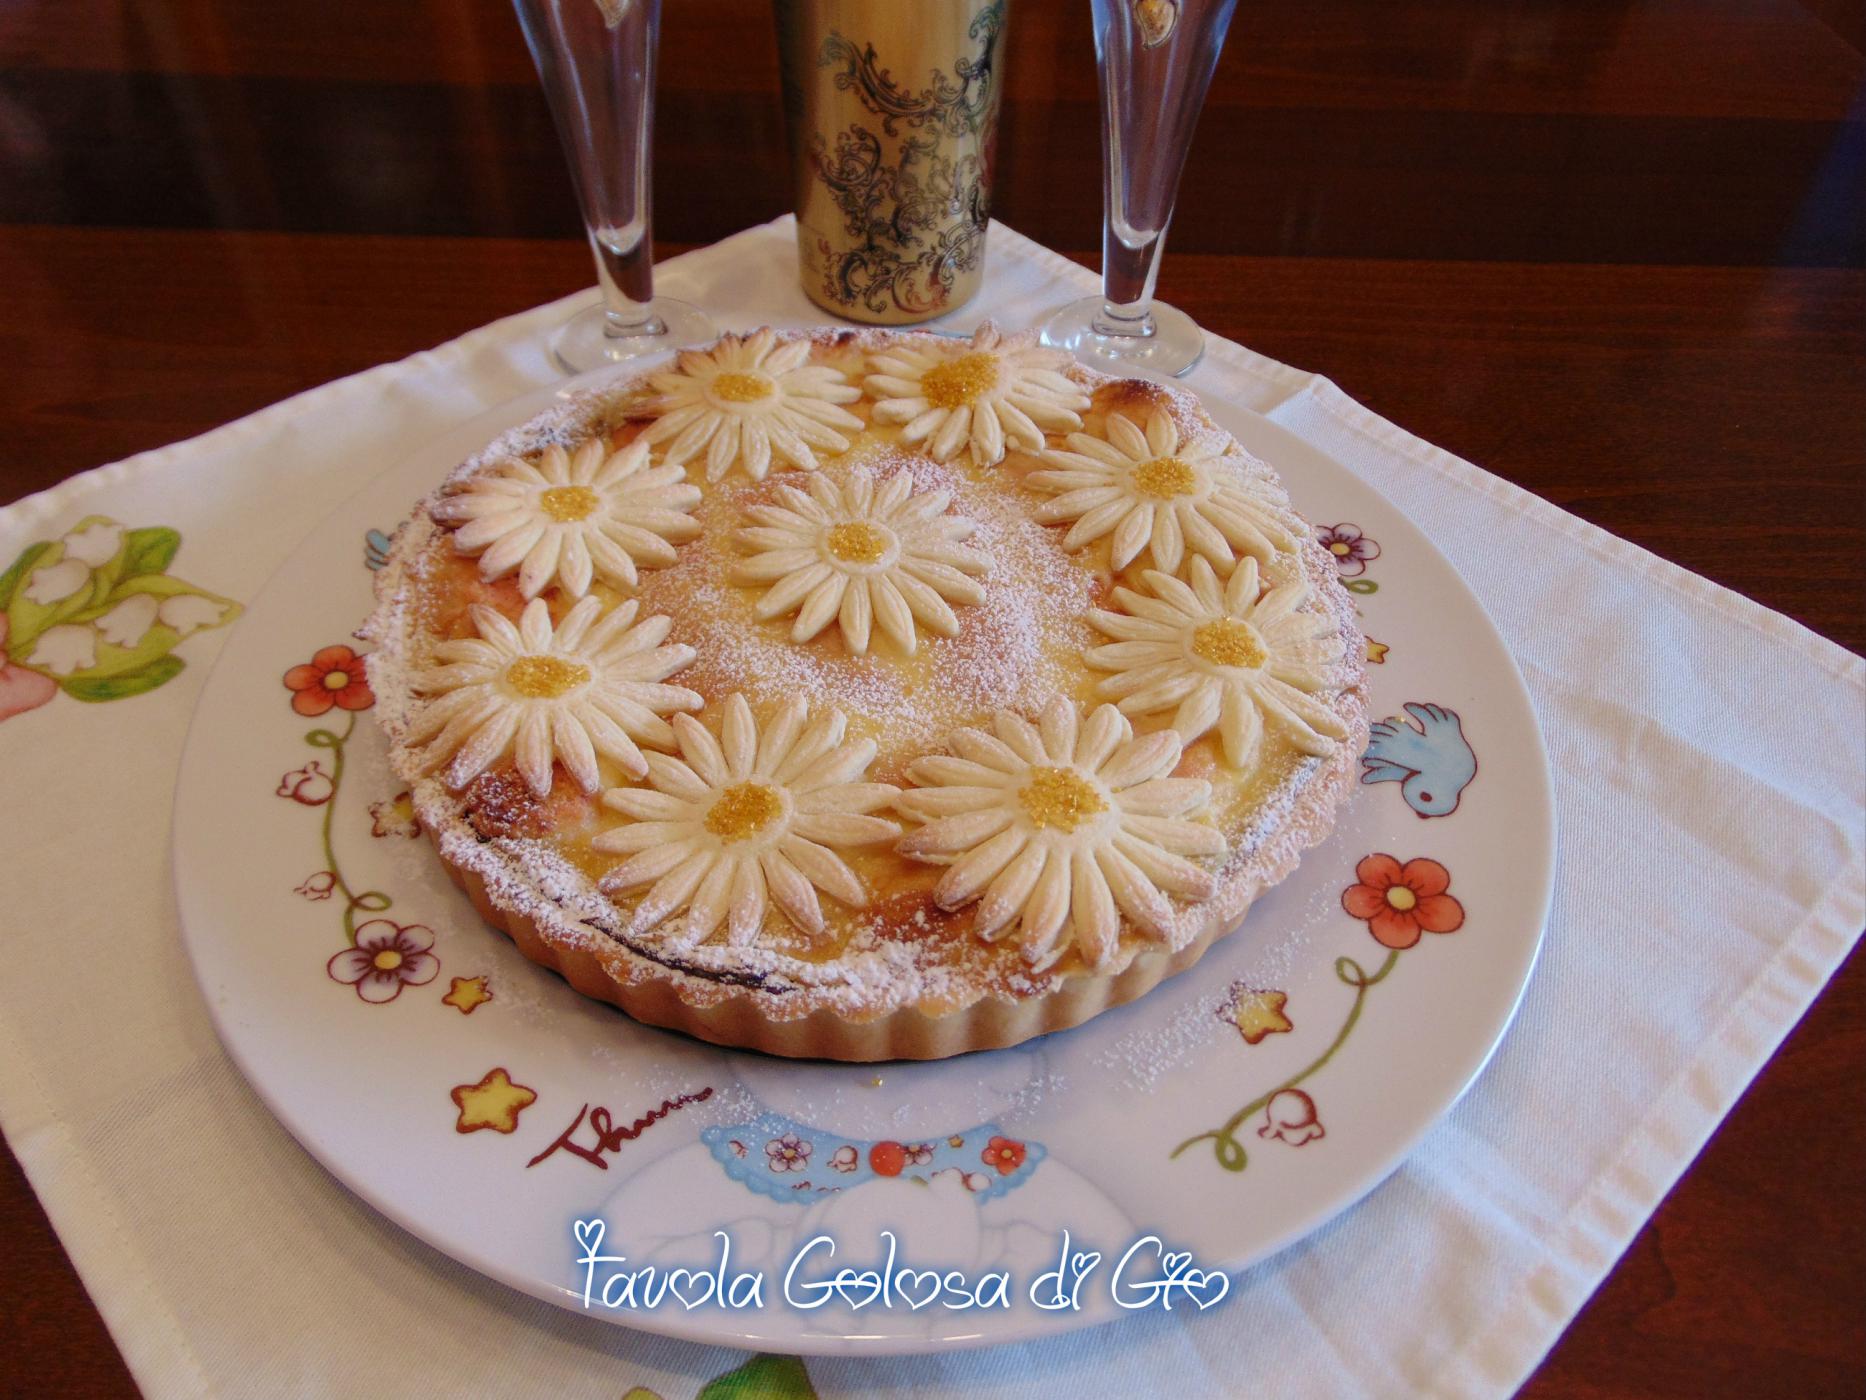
{"points": [[1225, 1145], [367, 901]]}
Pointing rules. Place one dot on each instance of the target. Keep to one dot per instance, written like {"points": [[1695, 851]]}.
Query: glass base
{"points": [[1175, 345], [588, 341]]}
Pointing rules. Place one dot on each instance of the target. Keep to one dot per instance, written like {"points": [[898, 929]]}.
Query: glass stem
{"points": [[627, 281], [596, 59], [1155, 59], [1130, 251], [1127, 279], [625, 253], [1130, 256]]}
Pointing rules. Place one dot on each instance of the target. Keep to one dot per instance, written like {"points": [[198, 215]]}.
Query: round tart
{"points": [[867, 695]]}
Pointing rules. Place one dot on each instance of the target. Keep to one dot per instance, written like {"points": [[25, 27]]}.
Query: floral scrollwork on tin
{"points": [[916, 219]]}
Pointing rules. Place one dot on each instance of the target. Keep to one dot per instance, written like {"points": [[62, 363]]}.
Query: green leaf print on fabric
{"points": [[762, 1378], [95, 613]]}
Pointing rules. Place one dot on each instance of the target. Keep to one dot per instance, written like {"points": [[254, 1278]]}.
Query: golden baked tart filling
{"points": [[867, 694]]}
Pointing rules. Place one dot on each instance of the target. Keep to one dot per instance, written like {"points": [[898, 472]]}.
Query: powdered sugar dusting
{"points": [[1281, 949], [1015, 648]]}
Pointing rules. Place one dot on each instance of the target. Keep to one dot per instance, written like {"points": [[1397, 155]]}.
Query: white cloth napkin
{"points": [[1709, 760]]}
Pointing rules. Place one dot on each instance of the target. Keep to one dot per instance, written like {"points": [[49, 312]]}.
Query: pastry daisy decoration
{"points": [[749, 401], [1060, 829], [571, 519], [863, 556], [590, 685], [1157, 493], [1220, 655], [977, 398], [746, 820]]}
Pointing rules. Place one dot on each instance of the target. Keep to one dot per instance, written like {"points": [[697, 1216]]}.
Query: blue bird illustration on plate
{"points": [[1433, 763]]}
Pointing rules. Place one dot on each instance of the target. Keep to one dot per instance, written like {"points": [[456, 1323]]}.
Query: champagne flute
{"points": [[596, 60], [1156, 59]]}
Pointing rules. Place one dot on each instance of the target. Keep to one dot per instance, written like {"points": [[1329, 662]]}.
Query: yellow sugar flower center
{"points": [[387, 960], [1340, 550], [743, 810], [567, 503], [743, 388], [857, 542], [1401, 898], [960, 381], [1060, 797], [1229, 642], [336, 680], [1165, 477], [545, 677]]}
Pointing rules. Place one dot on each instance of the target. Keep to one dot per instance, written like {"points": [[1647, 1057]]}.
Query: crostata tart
{"points": [[867, 695]]}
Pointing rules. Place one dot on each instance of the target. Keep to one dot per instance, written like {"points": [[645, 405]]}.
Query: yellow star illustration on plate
{"points": [[467, 993], [1257, 1014], [1376, 652], [495, 1102]]}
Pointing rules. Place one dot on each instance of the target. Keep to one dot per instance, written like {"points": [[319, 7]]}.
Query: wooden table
{"points": [[1611, 250]]}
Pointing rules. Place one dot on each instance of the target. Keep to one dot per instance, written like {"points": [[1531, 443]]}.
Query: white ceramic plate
{"points": [[442, 1114]]}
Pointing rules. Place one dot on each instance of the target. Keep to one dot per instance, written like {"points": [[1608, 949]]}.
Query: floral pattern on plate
{"points": [[791, 1161]]}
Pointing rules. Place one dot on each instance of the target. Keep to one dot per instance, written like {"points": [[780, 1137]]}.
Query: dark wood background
{"points": [[1609, 249]]}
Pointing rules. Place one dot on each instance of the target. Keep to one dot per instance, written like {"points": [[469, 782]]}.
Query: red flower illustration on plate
{"points": [[1005, 1154], [335, 676], [1401, 901], [1290, 1117], [887, 1158], [387, 957], [1350, 547], [318, 886], [310, 785]]}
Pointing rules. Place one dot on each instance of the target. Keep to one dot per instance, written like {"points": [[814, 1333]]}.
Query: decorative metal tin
{"points": [[892, 173]]}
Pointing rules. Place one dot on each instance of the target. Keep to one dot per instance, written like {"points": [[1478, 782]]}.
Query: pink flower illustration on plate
{"points": [[1290, 1117], [318, 886], [918, 1153], [845, 1158], [310, 784], [789, 1153], [1350, 547], [387, 957]]}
